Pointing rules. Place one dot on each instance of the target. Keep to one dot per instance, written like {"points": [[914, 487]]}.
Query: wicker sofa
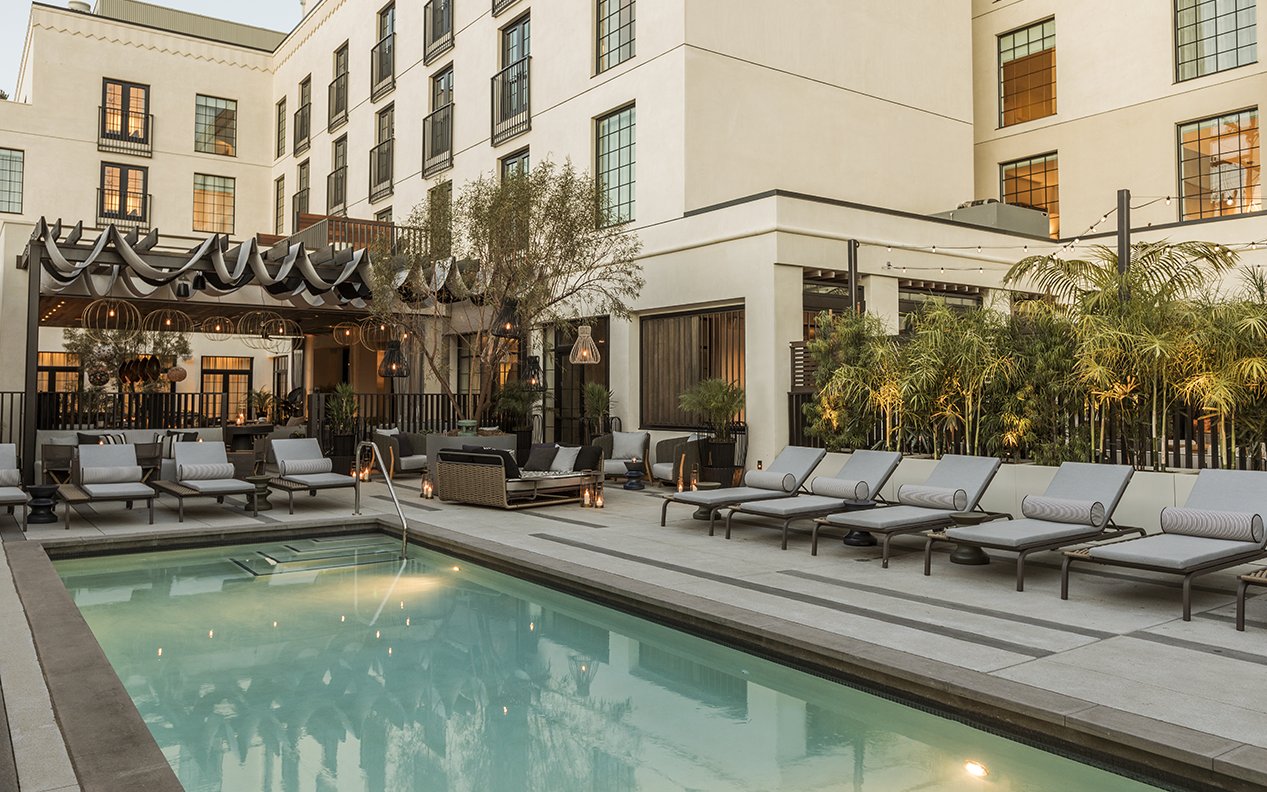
{"points": [[491, 478]]}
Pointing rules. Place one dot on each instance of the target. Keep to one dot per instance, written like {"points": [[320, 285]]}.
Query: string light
{"points": [[1167, 200]]}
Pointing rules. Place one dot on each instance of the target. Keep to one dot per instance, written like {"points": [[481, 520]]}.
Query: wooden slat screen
{"points": [[678, 352]]}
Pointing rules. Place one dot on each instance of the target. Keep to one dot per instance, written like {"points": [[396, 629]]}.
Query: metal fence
{"points": [[72, 411], [11, 403]]}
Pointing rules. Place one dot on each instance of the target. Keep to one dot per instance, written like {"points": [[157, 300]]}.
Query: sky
{"points": [[280, 15]]}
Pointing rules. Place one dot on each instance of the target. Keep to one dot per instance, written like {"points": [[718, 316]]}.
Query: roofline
{"points": [[169, 31]]}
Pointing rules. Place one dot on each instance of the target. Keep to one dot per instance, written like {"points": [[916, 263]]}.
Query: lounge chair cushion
{"points": [[1171, 551], [219, 486], [801, 504], [564, 459], [628, 445], [1231, 526], [206, 472], [1021, 533], [118, 490], [842, 489], [725, 496], [322, 480], [10, 478], [415, 462], [932, 497], [290, 468], [770, 480], [614, 467], [110, 475], [10, 495], [662, 471], [891, 518], [1063, 510], [405, 446]]}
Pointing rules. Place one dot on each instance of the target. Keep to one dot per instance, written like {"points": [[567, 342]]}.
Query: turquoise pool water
{"points": [[333, 666]]}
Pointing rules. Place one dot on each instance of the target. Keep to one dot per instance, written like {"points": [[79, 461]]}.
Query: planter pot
{"points": [[726, 476], [343, 445], [467, 428], [720, 455]]}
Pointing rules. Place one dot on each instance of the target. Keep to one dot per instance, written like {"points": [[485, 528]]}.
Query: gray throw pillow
{"points": [[565, 459], [627, 445], [541, 457]]}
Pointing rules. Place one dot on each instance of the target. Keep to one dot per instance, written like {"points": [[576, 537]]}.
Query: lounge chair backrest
{"points": [[296, 449], [873, 467], [1242, 491], [799, 461], [105, 456], [972, 474], [8, 456], [199, 454], [1084, 481]]}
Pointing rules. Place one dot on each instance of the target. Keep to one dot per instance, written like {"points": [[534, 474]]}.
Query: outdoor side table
{"points": [[969, 554], [633, 475], [705, 512], [261, 492], [42, 503]]}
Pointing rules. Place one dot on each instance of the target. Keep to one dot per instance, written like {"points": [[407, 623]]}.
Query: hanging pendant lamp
{"points": [[394, 363], [507, 323], [584, 351], [532, 377]]}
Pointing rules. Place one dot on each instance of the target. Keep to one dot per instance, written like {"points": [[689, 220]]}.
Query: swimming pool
{"points": [[333, 665]]}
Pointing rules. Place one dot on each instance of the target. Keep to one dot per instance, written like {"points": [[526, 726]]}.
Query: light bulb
{"points": [[976, 769], [978, 248], [1167, 200], [934, 248]]}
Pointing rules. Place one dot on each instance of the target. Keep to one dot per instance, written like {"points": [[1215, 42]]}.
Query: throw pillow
{"points": [[627, 445], [541, 457], [508, 461], [565, 460], [588, 458], [390, 430], [404, 444], [88, 439]]}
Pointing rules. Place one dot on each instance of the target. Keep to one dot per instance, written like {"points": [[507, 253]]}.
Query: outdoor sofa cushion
{"points": [[770, 480], [1063, 510], [322, 480], [841, 489], [1019, 533], [132, 489], [10, 477], [725, 496], [932, 497], [228, 486], [1171, 551], [629, 445], [541, 457]]}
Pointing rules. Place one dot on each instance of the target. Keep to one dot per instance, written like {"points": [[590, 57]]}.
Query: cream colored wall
{"points": [[14, 235]]}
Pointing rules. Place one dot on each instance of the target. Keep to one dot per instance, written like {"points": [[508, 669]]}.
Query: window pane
{"points": [[1027, 74], [213, 204], [11, 180], [1034, 182], [615, 32], [1218, 165], [616, 166], [216, 125], [1214, 36]]}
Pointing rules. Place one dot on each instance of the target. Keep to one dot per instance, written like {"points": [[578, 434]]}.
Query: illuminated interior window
{"points": [[1218, 166], [213, 204], [216, 126], [1027, 73], [1034, 182]]}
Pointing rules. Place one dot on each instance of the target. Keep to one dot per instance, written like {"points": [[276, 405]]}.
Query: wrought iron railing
{"points": [[11, 417], [383, 67], [338, 103], [437, 29], [303, 129], [512, 105], [122, 211], [501, 5], [437, 141], [381, 166], [337, 191], [110, 135], [75, 410]]}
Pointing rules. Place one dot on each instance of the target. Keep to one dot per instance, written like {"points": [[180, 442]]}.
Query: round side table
{"points": [[634, 472], [705, 512], [261, 492], [43, 500], [969, 554]]}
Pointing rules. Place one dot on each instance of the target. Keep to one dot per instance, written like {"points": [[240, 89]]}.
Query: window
{"points": [[281, 378], [299, 202], [1034, 182], [303, 117], [387, 21], [383, 55], [216, 125], [337, 181], [442, 89], [381, 158], [437, 29], [515, 40], [279, 204], [213, 204], [511, 86], [437, 128], [616, 166], [339, 90], [1027, 73], [1218, 166], [125, 109], [615, 32], [386, 126], [339, 153], [1214, 35], [230, 376], [57, 372], [123, 194], [11, 180], [515, 163], [678, 351], [383, 216], [281, 128]]}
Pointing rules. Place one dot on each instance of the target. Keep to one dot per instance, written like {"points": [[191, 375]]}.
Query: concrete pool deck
{"points": [[1113, 671]]}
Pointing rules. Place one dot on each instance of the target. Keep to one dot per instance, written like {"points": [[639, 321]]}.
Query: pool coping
{"points": [[101, 713]]}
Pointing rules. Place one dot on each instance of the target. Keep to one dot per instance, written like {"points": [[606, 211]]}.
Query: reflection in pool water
{"points": [[332, 665]]}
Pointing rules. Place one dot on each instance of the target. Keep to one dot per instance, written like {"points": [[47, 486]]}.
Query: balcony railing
{"points": [[338, 103], [303, 129], [383, 67], [512, 105], [111, 137], [437, 29], [337, 191], [501, 5], [437, 141], [381, 170], [343, 232], [298, 206], [122, 211]]}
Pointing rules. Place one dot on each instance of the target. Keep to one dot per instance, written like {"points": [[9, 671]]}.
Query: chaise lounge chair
{"points": [[203, 470], [855, 487], [1220, 526], [302, 467], [955, 485], [107, 473], [11, 493], [786, 475], [1077, 507]]}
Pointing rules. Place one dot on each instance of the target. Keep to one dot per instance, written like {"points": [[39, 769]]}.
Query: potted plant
{"points": [[515, 402], [596, 402], [260, 403], [341, 409], [718, 401]]}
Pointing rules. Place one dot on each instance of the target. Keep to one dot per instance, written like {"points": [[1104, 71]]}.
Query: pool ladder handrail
{"points": [[376, 456]]}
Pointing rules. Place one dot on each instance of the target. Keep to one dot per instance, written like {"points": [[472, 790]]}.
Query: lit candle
{"points": [[426, 490], [585, 497], [598, 502]]}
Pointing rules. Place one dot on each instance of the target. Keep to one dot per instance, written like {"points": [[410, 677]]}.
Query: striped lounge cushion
{"points": [[1233, 526], [1061, 510], [840, 488], [769, 480], [304, 467], [10, 478], [210, 472], [932, 497], [111, 475]]}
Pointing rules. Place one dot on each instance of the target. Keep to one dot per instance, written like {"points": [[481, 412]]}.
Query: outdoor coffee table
{"points": [[261, 492], [42, 503]]}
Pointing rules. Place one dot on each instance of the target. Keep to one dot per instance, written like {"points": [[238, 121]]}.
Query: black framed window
{"points": [[302, 174], [1213, 36], [516, 39], [385, 129], [279, 205], [339, 153], [303, 117], [281, 375], [1219, 168], [299, 201], [231, 376], [125, 108], [1027, 73], [215, 125], [442, 89], [11, 162], [387, 21], [337, 181], [515, 163], [123, 192], [339, 89], [383, 215], [616, 165], [1034, 181], [213, 203], [615, 32], [281, 128], [58, 372]]}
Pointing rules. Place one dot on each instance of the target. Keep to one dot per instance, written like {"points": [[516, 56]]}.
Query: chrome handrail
{"points": [[404, 527]]}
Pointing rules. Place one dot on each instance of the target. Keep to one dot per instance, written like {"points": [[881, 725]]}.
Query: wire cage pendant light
{"points": [[532, 377], [394, 364], [346, 333], [167, 320], [109, 316], [507, 323], [584, 351], [218, 328]]}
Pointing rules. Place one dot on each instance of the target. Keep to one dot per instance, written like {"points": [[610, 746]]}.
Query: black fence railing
{"points": [[75, 410], [408, 412], [125, 133], [122, 210], [512, 101], [298, 206], [501, 5], [11, 417], [437, 29], [437, 141], [337, 191], [303, 129], [383, 67], [381, 168], [338, 103]]}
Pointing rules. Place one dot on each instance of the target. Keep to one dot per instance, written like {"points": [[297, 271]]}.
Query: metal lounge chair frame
{"points": [[107, 456], [9, 461], [303, 448], [203, 454], [1258, 578], [792, 459]]}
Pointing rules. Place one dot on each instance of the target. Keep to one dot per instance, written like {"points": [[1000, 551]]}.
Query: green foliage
{"points": [[597, 401], [115, 348], [717, 401], [261, 403], [341, 409], [515, 400], [854, 358]]}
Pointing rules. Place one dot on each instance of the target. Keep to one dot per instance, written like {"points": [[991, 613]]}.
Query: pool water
{"points": [[331, 665]]}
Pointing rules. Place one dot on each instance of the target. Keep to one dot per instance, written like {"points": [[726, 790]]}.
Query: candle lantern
{"points": [[427, 491], [598, 500], [241, 418], [585, 498]]}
